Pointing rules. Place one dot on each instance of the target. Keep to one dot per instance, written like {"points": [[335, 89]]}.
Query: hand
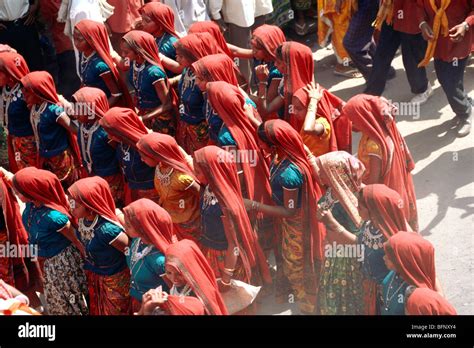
{"points": [[262, 72], [314, 91], [31, 14], [427, 32], [248, 203], [150, 300], [457, 32], [223, 287], [325, 216]]}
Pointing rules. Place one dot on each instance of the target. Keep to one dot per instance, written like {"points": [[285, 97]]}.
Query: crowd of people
{"points": [[185, 161]]}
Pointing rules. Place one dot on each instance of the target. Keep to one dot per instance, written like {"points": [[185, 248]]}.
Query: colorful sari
{"points": [[108, 284], [186, 258], [374, 117], [182, 204], [424, 301]]}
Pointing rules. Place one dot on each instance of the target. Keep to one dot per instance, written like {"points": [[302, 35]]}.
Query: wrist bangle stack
{"points": [[224, 283]]}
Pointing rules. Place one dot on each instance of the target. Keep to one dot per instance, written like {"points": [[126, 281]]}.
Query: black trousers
{"points": [[25, 39], [413, 52], [451, 77]]}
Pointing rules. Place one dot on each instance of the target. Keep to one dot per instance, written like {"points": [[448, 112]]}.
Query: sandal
{"points": [[347, 72]]}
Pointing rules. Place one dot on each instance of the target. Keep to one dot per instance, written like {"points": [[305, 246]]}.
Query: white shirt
{"points": [[240, 12], [187, 12], [11, 10]]}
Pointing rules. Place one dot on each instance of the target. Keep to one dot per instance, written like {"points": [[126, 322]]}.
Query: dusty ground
{"points": [[443, 176]]}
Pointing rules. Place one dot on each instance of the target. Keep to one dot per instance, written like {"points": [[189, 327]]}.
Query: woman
{"points": [[219, 67], [424, 301], [124, 126], [410, 259], [105, 242], [14, 114], [228, 240], [98, 155], [295, 195], [151, 230], [191, 276], [382, 148], [50, 227], [54, 132], [265, 40], [155, 100], [341, 289], [158, 20], [175, 182], [192, 127], [97, 67]]}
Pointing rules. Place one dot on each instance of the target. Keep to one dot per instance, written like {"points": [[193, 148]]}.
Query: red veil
{"points": [[124, 124], [219, 167], [95, 97], [424, 301], [186, 257], [96, 35], [213, 29], [152, 221], [162, 15], [217, 67], [269, 37], [197, 46]]}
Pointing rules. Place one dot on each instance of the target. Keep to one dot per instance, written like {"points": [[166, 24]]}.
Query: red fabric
{"points": [[404, 16], [414, 259], [228, 102], [126, 12], [213, 29], [96, 35], [217, 67], [289, 141], [374, 117], [424, 301], [152, 221], [186, 257], [219, 167], [197, 46], [184, 305], [94, 194], [162, 15], [299, 63], [385, 208], [457, 12], [270, 37], [42, 186], [164, 148], [16, 232], [124, 124], [95, 97], [49, 12]]}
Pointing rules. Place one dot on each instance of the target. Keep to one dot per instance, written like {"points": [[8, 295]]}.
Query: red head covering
{"points": [[269, 37], [385, 208], [162, 15], [152, 221], [187, 258], [217, 67], [41, 84], [124, 124], [95, 97], [374, 117], [424, 301], [94, 194], [228, 102], [213, 29], [299, 63], [184, 305], [219, 167], [413, 257], [164, 148], [197, 46], [96, 36], [42, 186], [14, 65], [282, 135]]}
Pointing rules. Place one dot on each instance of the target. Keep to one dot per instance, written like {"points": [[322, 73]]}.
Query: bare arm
{"points": [[375, 170], [65, 121], [68, 232], [111, 84], [240, 52], [166, 105], [121, 242], [289, 208], [171, 64]]}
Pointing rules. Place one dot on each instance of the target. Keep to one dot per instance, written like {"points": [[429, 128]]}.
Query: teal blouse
{"points": [[165, 45], [285, 175], [90, 71], [143, 80], [224, 136], [393, 294]]}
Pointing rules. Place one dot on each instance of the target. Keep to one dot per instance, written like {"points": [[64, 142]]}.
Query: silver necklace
{"points": [[7, 97], [86, 143], [372, 237], [185, 292], [85, 61], [35, 116], [209, 198], [87, 232], [165, 179], [138, 255], [388, 298]]}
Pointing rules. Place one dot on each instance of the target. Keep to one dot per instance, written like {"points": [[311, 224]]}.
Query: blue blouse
{"points": [[53, 138], [143, 80], [43, 225], [98, 151], [393, 294], [165, 45], [145, 271], [285, 175], [91, 69], [274, 73], [213, 233], [138, 174], [101, 257], [192, 105], [18, 114]]}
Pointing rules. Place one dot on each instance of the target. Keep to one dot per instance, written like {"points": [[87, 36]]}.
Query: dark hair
{"points": [[279, 52], [262, 135]]}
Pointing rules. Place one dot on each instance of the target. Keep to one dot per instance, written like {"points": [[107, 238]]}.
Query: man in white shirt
{"points": [[18, 29], [187, 12]]}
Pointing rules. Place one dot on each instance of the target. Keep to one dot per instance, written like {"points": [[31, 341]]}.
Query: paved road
{"points": [[443, 176]]}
